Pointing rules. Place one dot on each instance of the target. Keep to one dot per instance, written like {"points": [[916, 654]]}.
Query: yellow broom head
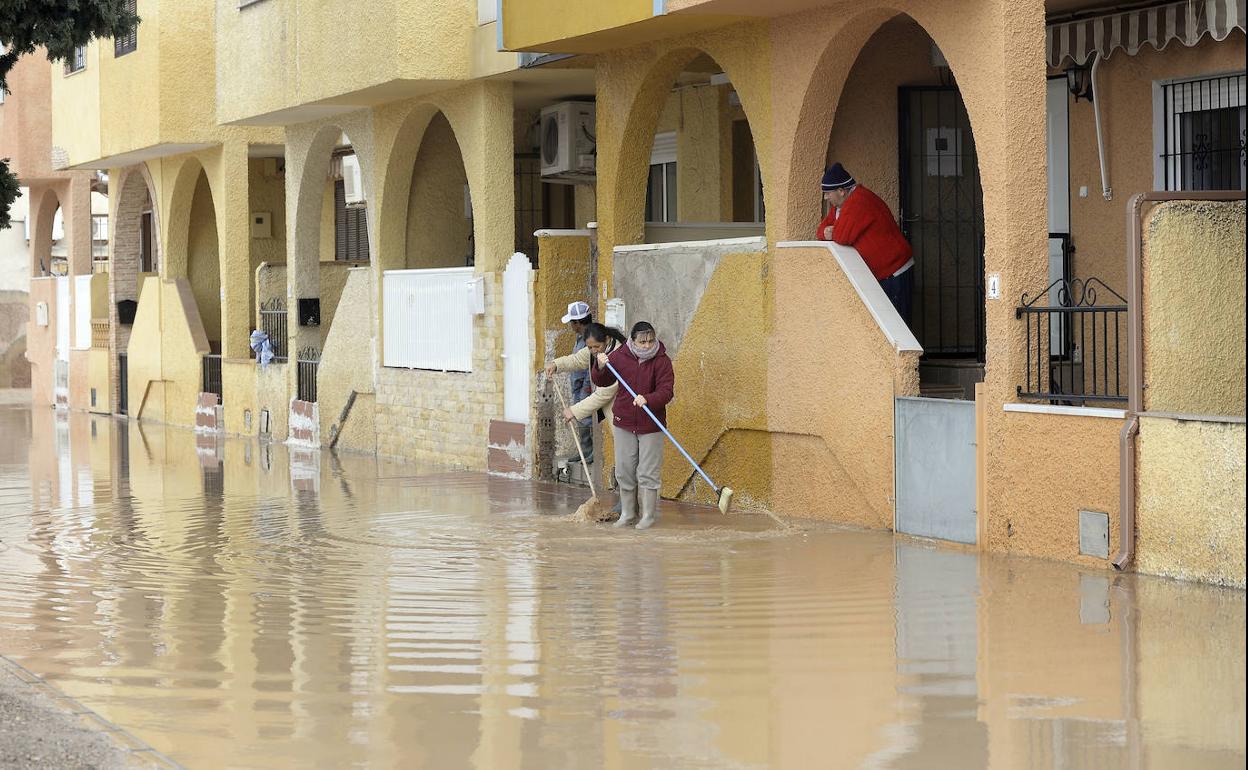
{"points": [[594, 511]]}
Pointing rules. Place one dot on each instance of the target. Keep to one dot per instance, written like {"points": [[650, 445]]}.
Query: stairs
{"points": [[938, 390]]}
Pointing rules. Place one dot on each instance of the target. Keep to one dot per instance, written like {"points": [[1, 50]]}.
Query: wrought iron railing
{"points": [[212, 376], [1076, 348], [308, 362], [273, 323], [123, 384]]}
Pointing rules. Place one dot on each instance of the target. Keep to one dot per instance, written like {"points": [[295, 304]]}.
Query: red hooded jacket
{"points": [[653, 379], [866, 224]]}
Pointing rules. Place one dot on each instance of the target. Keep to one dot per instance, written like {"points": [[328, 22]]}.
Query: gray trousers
{"points": [[638, 459]]}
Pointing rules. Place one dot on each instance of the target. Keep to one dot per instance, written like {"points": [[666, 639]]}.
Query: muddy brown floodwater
{"points": [[237, 605]]}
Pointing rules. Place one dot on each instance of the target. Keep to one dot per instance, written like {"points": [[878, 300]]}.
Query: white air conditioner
{"points": [[352, 182], [567, 142]]}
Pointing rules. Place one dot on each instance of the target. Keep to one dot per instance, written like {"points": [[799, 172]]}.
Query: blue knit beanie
{"points": [[836, 178]]}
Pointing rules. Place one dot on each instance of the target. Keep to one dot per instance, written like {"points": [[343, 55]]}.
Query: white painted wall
{"points": [[15, 249]]}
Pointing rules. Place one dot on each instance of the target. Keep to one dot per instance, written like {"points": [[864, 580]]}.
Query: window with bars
{"points": [[1202, 133], [350, 228], [77, 62], [129, 42], [661, 195]]}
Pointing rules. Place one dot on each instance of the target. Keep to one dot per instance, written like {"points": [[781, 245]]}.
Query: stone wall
{"points": [[444, 417]]}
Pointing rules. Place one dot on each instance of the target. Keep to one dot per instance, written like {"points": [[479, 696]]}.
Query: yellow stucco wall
{"points": [[1048, 467], [266, 193], [832, 378], [238, 386], [438, 231], [1194, 309], [1190, 500], [284, 54], [1126, 100], [98, 363], [562, 278], [76, 107], [529, 23], [702, 121], [165, 370], [347, 365]]}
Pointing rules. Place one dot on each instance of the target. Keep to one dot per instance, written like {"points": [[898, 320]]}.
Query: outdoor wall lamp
{"points": [[1079, 81]]}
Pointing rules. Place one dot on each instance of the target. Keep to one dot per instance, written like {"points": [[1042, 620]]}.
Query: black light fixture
{"points": [[1079, 81]]}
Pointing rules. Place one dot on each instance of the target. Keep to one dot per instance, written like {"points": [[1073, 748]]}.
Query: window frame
{"points": [[1167, 116], [77, 61], [129, 43]]}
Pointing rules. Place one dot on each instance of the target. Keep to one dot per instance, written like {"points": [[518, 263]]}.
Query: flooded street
{"points": [[240, 605]]}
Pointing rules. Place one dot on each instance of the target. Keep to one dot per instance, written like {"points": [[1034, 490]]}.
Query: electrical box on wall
{"points": [[41, 314], [261, 224], [309, 311]]}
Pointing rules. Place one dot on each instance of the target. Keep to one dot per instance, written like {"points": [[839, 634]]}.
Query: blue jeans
{"points": [[900, 291]]}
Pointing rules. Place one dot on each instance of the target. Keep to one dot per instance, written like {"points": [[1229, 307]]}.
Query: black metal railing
{"points": [[1076, 349], [123, 384], [212, 376], [1203, 133], [273, 323], [308, 361]]}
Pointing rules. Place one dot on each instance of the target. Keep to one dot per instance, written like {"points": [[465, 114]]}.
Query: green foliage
{"points": [[59, 26], [8, 192]]}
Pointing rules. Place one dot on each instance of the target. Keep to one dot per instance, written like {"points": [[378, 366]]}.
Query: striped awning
{"points": [[1186, 21]]}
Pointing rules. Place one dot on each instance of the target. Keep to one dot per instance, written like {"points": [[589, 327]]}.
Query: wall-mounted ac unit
{"points": [[567, 142], [352, 181]]}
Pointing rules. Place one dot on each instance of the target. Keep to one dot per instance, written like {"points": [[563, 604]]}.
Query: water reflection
{"points": [[236, 604]]}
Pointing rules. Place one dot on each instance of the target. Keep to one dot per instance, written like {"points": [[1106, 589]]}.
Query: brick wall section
{"points": [[444, 418], [123, 268]]}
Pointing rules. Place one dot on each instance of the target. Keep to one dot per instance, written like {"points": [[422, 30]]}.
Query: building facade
{"points": [[401, 203]]}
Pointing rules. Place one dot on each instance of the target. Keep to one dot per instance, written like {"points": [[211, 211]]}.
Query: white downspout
{"points": [[1106, 190]]}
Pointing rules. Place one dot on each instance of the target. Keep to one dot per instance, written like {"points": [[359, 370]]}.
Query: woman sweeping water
{"points": [[642, 362]]}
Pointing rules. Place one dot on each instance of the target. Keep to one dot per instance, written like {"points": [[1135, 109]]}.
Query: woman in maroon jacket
{"points": [[644, 365]]}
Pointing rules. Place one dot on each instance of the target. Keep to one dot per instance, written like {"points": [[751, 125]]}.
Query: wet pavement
{"points": [[238, 605]]}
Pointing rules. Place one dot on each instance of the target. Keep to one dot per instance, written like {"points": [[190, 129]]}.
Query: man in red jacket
{"points": [[859, 218]]}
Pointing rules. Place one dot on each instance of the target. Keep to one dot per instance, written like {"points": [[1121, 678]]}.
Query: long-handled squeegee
{"points": [[724, 493]]}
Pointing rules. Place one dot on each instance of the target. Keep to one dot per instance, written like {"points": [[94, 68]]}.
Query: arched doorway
{"points": [[135, 256], [902, 130], [439, 204], [203, 263]]}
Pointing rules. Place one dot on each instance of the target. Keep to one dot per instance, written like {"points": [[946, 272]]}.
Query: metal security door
{"points": [[935, 468], [942, 215]]}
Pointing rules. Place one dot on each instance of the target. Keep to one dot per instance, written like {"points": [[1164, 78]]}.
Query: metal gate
{"points": [[934, 454], [942, 215]]}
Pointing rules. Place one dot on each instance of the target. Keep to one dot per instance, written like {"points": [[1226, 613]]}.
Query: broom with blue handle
{"points": [[723, 493]]}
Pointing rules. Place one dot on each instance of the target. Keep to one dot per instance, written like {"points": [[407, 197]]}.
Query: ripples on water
{"points": [[248, 606]]}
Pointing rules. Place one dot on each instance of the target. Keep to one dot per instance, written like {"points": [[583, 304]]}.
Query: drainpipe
{"points": [[1106, 190], [1135, 357]]}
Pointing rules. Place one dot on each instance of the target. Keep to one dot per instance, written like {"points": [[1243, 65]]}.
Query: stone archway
{"points": [[438, 220]]}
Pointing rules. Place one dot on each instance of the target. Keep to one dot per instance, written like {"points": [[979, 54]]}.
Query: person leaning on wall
{"points": [[861, 219]]}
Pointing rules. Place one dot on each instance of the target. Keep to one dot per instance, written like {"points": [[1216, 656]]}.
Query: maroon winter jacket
{"points": [[653, 379]]}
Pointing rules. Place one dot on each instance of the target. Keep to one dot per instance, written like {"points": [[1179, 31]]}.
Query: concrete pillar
{"points": [[234, 237], [489, 169], [76, 214]]}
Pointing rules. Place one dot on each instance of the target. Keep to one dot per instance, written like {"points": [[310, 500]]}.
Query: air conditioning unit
{"points": [[567, 142], [352, 181]]}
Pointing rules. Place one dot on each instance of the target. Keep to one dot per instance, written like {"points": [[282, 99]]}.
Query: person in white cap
{"points": [[578, 318]]}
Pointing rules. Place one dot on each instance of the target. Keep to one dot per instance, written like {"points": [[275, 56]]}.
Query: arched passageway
{"points": [[902, 130], [701, 172], [439, 203], [203, 263]]}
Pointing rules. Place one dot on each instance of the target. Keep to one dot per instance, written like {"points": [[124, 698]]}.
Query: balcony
{"points": [[147, 98], [574, 26], [289, 61]]}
